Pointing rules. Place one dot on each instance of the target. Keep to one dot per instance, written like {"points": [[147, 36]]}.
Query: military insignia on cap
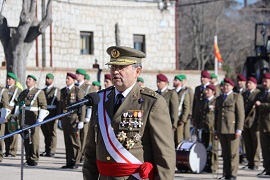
{"points": [[115, 53]]}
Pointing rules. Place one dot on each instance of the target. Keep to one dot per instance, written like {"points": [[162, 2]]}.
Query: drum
{"points": [[191, 156]]}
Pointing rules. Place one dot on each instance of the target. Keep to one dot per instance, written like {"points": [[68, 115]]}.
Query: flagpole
{"points": [[216, 60]]}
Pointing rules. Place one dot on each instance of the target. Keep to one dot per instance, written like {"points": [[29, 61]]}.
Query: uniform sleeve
{"points": [[162, 140], [42, 102], [191, 95], [174, 104], [186, 108], [5, 99], [240, 113], [89, 169], [82, 109]]}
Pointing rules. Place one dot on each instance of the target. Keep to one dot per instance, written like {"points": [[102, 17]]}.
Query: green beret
{"points": [[140, 79], [13, 76], [180, 77], [121, 55], [96, 83], [80, 71], [87, 77], [213, 76], [222, 83], [50, 76], [31, 76]]}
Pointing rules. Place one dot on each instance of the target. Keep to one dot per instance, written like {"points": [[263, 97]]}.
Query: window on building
{"points": [[139, 42], [87, 42]]}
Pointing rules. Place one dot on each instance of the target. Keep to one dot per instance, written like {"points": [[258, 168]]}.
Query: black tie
{"points": [[265, 93], [224, 96], [159, 91], [118, 102], [68, 90]]}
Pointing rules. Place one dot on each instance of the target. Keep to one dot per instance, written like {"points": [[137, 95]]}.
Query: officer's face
{"points": [[266, 83], [177, 83], [241, 84], [161, 84], [251, 85], [107, 83], [30, 82], [209, 92], [48, 81], [69, 81], [10, 81], [227, 87], [124, 77], [204, 80], [79, 77]]}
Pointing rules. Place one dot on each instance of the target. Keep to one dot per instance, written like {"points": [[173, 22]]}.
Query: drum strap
{"points": [[113, 146]]}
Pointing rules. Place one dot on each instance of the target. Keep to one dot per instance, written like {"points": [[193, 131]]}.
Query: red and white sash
{"points": [[113, 146]]}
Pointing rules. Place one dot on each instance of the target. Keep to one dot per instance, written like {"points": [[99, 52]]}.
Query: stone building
{"points": [[83, 29]]}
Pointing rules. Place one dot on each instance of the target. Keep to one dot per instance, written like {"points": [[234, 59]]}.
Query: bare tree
{"points": [[18, 41]]}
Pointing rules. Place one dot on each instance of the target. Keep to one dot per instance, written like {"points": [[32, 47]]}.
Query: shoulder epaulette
{"points": [[148, 92]]}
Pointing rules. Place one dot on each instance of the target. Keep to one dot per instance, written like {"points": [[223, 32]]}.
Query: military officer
{"points": [[5, 111], [229, 122], [11, 143], [214, 81], [140, 81], [206, 126], [183, 107], [199, 94], [72, 123], [80, 75], [241, 82], [191, 95], [135, 138], [52, 94], [35, 112], [171, 98], [96, 85], [251, 131], [263, 104], [107, 80]]}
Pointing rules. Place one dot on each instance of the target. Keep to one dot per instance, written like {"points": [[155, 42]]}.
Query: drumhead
{"points": [[197, 157], [185, 146]]}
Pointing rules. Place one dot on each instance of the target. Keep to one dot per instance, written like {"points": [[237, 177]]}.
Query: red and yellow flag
{"points": [[217, 53]]}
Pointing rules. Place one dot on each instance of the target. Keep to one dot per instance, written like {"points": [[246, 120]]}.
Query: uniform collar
{"points": [[71, 86]]}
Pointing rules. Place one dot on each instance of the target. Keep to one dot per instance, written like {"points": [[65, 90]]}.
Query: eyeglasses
{"points": [[118, 67]]}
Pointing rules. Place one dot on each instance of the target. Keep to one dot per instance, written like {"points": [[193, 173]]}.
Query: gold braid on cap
{"points": [[115, 53]]}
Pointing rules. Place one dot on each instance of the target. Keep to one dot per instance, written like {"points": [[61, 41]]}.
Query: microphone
{"points": [[88, 100]]}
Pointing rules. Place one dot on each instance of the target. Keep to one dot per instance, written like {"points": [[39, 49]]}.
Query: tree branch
{"points": [[4, 32]]}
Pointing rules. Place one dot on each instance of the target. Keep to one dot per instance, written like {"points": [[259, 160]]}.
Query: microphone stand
{"points": [[25, 131]]}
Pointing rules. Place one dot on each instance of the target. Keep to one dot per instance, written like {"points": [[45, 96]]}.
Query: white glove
{"points": [[80, 125], [87, 120], [39, 121]]}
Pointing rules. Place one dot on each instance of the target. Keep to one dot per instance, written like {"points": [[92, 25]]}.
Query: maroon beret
{"points": [[212, 87], [73, 76], [205, 74], [240, 77], [228, 80], [266, 76], [107, 76], [253, 79], [162, 77]]}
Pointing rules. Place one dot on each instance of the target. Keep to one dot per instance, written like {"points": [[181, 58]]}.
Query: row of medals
{"points": [[130, 120]]}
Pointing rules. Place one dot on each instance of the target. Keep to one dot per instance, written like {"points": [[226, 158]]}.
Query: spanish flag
{"points": [[216, 51]]}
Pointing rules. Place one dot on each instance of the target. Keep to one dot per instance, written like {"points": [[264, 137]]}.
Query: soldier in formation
{"points": [[35, 104], [11, 143], [72, 123], [52, 94]]}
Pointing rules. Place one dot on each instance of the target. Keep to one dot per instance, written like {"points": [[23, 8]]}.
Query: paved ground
{"points": [[50, 168]]}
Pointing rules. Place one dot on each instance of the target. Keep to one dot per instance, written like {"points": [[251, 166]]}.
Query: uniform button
{"points": [[108, 158]]}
